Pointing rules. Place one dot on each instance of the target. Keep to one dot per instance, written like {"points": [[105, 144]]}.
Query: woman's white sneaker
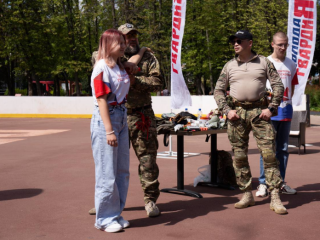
{"points": [[124, 223], [115, 227], [262, 191]]}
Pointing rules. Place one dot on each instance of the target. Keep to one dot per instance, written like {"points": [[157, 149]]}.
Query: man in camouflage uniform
{"points": [[141, 119], [247, 109]]}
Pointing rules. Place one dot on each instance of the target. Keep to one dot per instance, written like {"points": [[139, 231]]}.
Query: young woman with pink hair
{"points": [[109, 132]]}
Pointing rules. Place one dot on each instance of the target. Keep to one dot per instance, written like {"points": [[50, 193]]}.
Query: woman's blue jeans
{"points": [[111, 166], [282, 138]]}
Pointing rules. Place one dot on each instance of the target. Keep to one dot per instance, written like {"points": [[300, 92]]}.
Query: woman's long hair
{"points": [[108, 41]]}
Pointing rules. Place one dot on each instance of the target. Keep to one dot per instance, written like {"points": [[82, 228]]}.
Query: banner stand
{"points": [[173, 155]]}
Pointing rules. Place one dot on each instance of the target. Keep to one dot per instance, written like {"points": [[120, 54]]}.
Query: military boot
{"points": [[246, 200], [92, 211], [276, 204], [152, 209]]}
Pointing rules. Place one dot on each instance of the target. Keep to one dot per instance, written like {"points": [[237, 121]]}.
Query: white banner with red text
{"points": [[180, 95], [302, 31]]}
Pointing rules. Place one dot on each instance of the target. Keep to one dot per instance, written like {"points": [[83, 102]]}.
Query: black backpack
{"points": [[226, 174]]}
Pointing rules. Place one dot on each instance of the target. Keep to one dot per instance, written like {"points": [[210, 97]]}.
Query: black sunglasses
{"points": [[239, 41]]}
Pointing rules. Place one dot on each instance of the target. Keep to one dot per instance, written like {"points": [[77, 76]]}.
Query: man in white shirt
{"points": [[282, 122]]}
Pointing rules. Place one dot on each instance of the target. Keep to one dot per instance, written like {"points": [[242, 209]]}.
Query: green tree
{"points": [[54, 39]]}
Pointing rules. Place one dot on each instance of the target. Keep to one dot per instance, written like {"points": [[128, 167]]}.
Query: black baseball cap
{"points": [[241, 34]]}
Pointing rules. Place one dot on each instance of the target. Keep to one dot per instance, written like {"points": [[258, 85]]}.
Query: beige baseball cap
{"points": [[126, 28]]}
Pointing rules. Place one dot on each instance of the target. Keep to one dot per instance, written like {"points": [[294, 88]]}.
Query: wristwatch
{"points": [[271, 109]]}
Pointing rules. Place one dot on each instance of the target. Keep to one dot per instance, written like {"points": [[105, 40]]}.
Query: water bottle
{"points": [[199, 113], [186, 109]]}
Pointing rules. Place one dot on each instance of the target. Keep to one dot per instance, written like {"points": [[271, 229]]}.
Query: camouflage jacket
{"points": [[271, 74], [148, 80]]}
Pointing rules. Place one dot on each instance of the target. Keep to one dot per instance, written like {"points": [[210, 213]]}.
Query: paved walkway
{"points": [[47, 187]]}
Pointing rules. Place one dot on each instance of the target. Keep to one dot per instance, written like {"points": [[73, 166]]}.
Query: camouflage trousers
{"points": [[145, 144], [264, 133]]}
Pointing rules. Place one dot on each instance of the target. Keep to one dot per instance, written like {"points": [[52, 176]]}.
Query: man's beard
{"points": [[130, 50]]}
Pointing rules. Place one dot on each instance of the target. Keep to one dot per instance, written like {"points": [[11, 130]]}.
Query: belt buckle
{"points": [[244, 105]]}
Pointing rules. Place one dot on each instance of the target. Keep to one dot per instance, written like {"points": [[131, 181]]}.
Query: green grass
{"points": [[314, 94], [315, 109], [23, 92]]}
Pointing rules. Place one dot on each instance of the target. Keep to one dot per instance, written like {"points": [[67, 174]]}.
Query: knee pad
{"points": [[240, 159], [269, 157]]}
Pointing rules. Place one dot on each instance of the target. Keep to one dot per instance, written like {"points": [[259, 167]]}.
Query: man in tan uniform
{"points": [[247, 110]]}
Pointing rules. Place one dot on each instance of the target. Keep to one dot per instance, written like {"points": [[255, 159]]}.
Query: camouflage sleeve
{"points": [[154, 81], [276, 84], [220, 91]]}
